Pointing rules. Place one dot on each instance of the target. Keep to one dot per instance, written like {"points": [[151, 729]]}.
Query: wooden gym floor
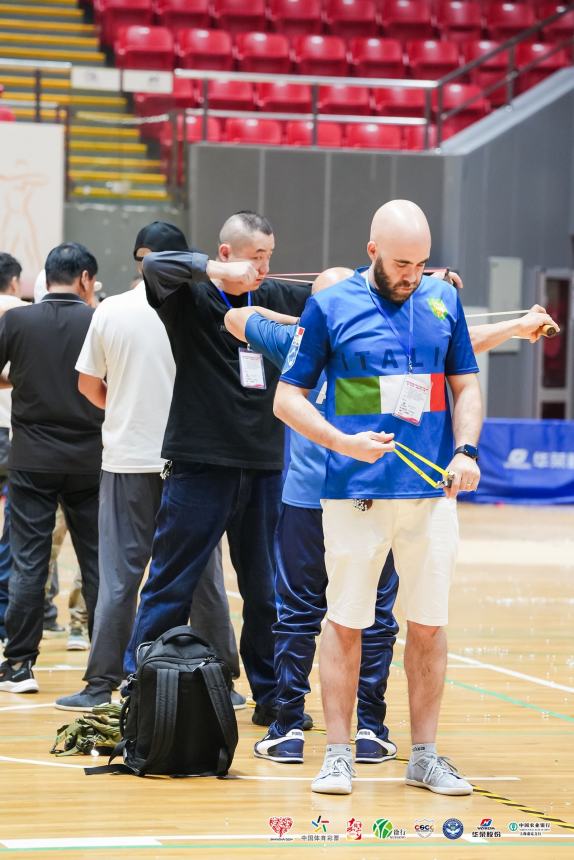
{"points": [[507, 722]]}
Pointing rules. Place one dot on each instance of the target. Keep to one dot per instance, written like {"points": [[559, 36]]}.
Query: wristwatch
{"points": [[470, 451]]}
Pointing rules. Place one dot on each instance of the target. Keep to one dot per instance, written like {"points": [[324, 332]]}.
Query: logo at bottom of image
{"points": [[486, 830], [529, 828], [280, 824], [383, 829], [424, 827], [453, 828]]}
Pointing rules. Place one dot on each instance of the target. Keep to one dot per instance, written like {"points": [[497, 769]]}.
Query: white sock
{"points": [[334, 750], [420, 750]]}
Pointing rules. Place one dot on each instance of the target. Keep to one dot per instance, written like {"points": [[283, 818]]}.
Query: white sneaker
{"points": [[335, 777], [438, 774], [77, 640]]}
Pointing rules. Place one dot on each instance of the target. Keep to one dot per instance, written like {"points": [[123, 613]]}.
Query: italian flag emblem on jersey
{"points": [[378, 395]]}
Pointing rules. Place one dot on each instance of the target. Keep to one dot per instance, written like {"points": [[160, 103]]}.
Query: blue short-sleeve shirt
{"points": [[361, 341]]}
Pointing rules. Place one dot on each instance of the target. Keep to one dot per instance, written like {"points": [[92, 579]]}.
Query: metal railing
{"points": [[434, 92]]}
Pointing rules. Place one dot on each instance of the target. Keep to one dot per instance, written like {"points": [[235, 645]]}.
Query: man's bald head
{"points": [[329, 277], [399, 248]]}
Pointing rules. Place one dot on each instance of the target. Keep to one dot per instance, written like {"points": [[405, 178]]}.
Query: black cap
{"points": [[161, 236]]}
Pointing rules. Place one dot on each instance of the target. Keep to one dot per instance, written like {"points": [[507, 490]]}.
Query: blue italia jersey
{"points": [[362, 342], [306, 473]]}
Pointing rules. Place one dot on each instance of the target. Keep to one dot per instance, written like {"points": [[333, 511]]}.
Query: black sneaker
{"points": [[83, 701], [20, 680], [264, 715]]}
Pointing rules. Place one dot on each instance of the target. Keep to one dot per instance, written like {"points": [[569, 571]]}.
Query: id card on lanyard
{"points": [[415, 389], [251, 367]]}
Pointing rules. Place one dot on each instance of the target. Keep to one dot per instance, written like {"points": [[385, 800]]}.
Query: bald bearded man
{"points": [[389, 339]]}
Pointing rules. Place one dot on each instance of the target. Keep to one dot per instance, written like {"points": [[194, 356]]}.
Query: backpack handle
{"points": [[184, 630]]}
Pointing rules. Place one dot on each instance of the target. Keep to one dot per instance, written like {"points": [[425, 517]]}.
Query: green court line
{"points": [[285, 845], [474, 688]]}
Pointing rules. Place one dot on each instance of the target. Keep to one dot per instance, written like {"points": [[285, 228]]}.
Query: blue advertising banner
{"points": [[526, 462]]}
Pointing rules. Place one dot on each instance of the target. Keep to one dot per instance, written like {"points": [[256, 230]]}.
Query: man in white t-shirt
{"points": [[126, 367]]}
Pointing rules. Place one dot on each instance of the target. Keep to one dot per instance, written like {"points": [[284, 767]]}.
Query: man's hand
{"points": [[241, 274], [367, 446], [531, 324], [466, 475], [452, 277]]}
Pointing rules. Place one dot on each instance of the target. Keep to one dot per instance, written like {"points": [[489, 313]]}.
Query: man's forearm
{"points": [[467, 413], [236, 319], [293, 408], [485, 337]]}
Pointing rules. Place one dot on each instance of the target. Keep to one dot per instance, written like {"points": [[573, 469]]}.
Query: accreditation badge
{"points": [[412, 400], [251, 369]]}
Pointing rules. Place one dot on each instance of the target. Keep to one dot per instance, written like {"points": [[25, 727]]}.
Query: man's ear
{"points": [[224, 252], [372, 250]]}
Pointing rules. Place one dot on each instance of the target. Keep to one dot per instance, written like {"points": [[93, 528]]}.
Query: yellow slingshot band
{"points": [[436, 484]]}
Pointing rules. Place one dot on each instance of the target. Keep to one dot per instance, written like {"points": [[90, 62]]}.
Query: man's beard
{"points": [[388, 290]]}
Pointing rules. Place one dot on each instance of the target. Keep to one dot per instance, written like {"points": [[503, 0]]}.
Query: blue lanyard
{"points": [[228, 303], [382, 311]]}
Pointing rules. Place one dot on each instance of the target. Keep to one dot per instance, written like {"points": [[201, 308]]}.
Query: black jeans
{"points": [[34, 497]]}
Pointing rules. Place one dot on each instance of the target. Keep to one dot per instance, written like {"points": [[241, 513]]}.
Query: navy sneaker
{"points": [[83, 701], [285, 748], [20, 680], [369, 748]]}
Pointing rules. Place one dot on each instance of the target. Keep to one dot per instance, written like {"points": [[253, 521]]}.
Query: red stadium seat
{"points": [[563, 28], [536, 52], [176, 14], [457, 95], [342, 99], [460, 20], [290, 98], [239, 16], [230, 95], [6, 115], [407, 19], [204, 49], [295, 17], [491, 71], [114, 14], [263, 52], [144, 48], [377, 58], [369, 135], [301, 133], [265, 132], [349, 18], [320, 55], [396, 101], [505, 20], [185, 94], [414, 137], [432, 59]]}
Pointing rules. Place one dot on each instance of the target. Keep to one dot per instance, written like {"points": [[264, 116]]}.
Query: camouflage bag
{"points": [[95, 732]]}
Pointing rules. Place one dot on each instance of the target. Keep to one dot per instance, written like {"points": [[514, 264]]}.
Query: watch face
{"points": [[471, 451]]}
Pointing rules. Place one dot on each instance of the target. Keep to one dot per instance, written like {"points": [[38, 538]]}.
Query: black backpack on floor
{"points": [[177, 718]]}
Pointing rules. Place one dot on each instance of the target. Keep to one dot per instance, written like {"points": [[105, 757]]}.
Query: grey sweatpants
{"points": [[128, 507]]}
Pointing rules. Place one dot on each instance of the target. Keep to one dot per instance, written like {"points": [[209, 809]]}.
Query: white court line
{"points": [[368, 778], [46, 763], [27, 707], [156, 841], [93, 759], [503, 671]]}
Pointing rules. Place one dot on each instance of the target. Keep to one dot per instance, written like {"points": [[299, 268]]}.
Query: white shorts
{"points": [[423, 535]]}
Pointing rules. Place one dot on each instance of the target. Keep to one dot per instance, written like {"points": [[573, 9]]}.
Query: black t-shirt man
{"points": [[54, 428], [213, 419]]}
